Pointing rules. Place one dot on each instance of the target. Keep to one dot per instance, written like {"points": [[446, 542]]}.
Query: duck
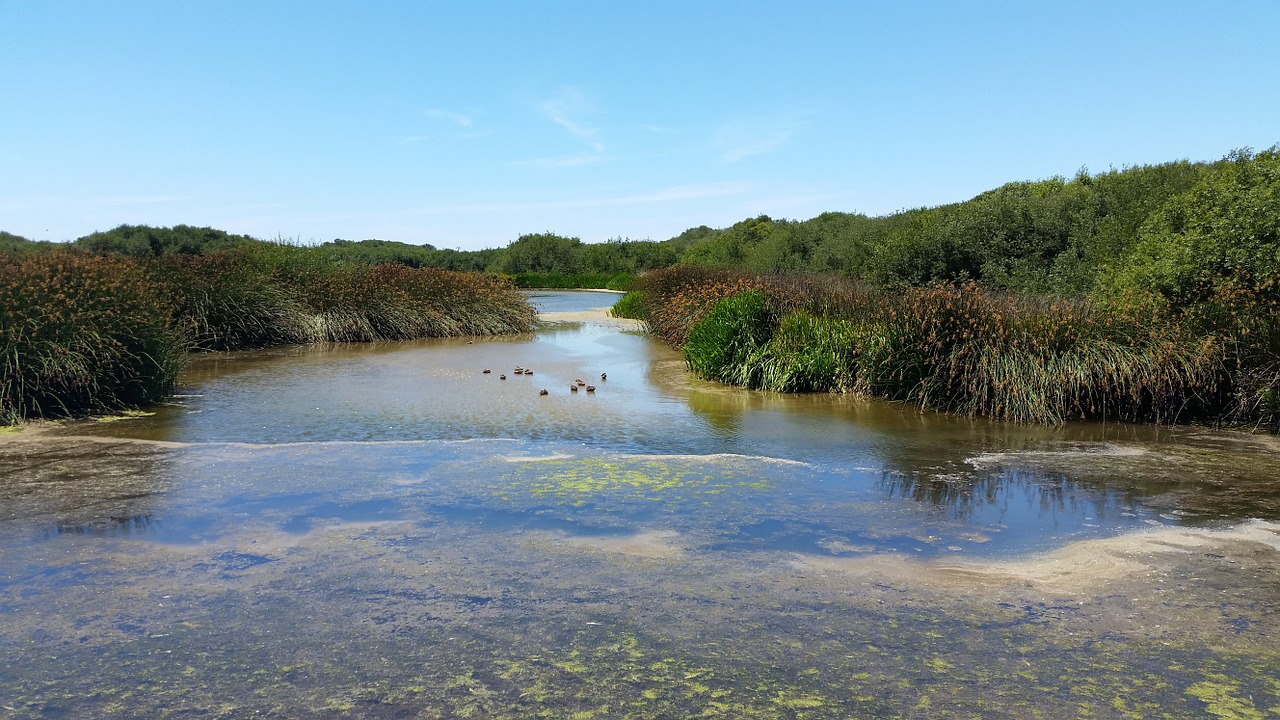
{"points": [[503, 376], [604, 376], [543, 391], [486, 371], [573, 388], [591, 388]]}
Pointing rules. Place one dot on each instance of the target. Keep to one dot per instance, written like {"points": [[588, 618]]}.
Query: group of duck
{"points": [[577, 383]]}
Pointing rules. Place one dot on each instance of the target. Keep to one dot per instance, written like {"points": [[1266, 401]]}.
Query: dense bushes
{"points": [[590, 281], [84, 333], [954, 348]]}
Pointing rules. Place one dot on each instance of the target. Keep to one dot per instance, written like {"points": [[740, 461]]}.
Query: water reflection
{"points": [[1035, 484]]}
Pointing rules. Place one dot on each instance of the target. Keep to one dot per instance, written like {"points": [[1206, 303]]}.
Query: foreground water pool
{"points": [[387, 531]]}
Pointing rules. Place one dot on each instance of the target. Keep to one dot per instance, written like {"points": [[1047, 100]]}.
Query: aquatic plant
{"points": [[81, 334]]}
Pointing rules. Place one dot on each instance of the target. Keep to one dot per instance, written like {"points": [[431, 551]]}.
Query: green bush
{"points": [[721, 344], [630, 306]]}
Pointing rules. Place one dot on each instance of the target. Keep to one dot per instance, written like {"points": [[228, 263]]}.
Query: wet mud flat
{"points": [[508, 579]]}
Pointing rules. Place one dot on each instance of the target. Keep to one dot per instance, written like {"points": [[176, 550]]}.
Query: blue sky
{"points": [[467, 124]]}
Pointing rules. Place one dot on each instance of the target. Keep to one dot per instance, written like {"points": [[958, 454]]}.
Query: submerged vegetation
{"points": [[95, 333]]}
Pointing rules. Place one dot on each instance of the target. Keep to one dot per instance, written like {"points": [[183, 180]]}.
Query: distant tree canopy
{"points": [[16, 244], [142, 241]]}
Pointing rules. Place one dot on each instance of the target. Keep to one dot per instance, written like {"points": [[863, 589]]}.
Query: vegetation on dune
{"points": [[1148, 292], [1151, 294]]}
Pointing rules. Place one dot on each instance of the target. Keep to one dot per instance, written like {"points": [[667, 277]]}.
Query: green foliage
{"points": [[721, 345], [1212, 254], [953, 348], [11, 244], [630, 306], [539, 253], [1048, 236], [373, 252], [141, 241], [588, 281], [81, 334]]}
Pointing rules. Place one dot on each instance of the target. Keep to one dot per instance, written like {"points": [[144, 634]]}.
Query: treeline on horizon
{"points": [[1057, 236], [1191, 246]]}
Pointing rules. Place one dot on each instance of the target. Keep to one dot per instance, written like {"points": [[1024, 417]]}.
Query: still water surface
{"points": [[388, 531]]}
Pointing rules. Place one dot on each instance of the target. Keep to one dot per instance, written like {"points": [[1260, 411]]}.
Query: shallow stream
{"points": [[388, 531]]}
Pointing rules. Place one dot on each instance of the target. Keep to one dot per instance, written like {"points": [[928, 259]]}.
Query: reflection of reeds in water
{"points": [[124, 526]]}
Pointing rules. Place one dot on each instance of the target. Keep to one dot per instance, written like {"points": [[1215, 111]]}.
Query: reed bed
{"points": [[275, 295], [952, 348], [83, 333]]}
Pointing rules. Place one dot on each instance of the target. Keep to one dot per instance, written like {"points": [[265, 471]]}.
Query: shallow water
{"points": [[388, 531]]}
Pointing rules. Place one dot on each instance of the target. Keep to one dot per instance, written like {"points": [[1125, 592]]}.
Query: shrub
{"points": [[630, 306]]}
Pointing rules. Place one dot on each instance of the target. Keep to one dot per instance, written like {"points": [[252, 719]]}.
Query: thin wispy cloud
{"points": [[566, 109], [569, 109], [462, 120], [746, 137]]}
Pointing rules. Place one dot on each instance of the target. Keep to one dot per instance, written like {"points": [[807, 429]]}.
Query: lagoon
{"points": [[386, 531]]}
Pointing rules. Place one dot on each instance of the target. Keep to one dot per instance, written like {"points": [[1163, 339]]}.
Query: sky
{"points": [[468, 124]]}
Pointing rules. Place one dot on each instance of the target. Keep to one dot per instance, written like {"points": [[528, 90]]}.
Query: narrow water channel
{"points": [[389, 531]]}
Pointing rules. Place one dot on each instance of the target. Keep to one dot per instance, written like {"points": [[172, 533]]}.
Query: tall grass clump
{"points": [[82, 334], [723, 344], [228, 300]]}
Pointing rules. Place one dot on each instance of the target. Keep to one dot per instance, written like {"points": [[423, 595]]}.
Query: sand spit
{"points": [[1080, 568], [652, 544]]}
